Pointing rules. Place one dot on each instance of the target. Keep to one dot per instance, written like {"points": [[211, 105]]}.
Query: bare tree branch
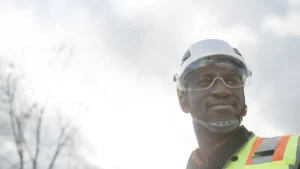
{"points": [[10, 91], [24, 140], [63, 139], [3, 158], [71, 154], [20, 149], [25, 144], [38, 135], [15, 131], [30, 150], [59, 118], [69, 56]]}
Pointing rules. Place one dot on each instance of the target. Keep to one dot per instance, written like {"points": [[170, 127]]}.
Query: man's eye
{"points": [[204, 81], [233, 81]]}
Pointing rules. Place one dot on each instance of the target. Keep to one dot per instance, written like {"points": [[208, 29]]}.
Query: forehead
{"points": [[213, 70]]}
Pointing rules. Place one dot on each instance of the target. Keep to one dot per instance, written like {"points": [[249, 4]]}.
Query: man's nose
{"points": [[219, 89]]}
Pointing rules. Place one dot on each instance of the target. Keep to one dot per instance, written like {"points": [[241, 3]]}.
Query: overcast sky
{"points": [[126, 53]]}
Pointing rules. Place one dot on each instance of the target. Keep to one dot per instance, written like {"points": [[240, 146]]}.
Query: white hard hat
{"points": [[209, 51]]}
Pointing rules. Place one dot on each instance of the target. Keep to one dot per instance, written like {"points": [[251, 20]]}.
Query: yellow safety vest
{"points": [[267, 153]]}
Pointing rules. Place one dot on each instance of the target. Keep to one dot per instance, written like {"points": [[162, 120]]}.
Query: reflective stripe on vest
{"points": [[268, 153], [269, 149]]}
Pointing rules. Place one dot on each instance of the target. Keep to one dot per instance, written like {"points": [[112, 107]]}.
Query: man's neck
{"points": [[217, 157], [208, 142]]}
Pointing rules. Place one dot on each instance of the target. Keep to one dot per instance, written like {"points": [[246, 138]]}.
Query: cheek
{"points": [[197, 105], [240, 98]]}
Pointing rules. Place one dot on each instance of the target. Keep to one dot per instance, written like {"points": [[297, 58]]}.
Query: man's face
{"points": [[218, 101]]}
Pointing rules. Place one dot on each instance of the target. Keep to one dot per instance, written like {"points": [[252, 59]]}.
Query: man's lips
{"points": [[220, 103]]}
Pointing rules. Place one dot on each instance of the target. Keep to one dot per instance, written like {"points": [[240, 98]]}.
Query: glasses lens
{"points": [[205, 82]]}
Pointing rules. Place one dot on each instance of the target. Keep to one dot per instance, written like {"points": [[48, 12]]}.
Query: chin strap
{"points": [[221, 125], [224, 125]]}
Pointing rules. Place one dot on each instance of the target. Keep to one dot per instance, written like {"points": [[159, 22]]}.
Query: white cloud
{"points": [[287, 25], [201, 24], [294, 3], [254, 121]]}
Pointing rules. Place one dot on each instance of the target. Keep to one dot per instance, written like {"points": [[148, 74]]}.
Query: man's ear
{"points": [[245, 110], [183, 102]]}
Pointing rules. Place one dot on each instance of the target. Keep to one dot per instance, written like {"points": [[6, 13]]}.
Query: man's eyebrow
{"points": [[202, 74], [231, 74], [198, 74]]}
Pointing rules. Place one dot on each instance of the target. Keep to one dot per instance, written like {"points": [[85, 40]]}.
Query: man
{"points": [[210, 87]]}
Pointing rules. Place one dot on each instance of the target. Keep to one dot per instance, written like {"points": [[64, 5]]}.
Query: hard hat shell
{"points": [[202, 52]]}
